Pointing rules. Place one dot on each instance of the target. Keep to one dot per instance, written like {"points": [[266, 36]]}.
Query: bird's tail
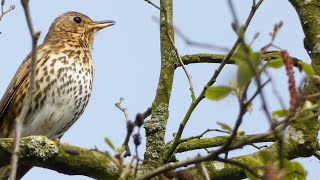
{"points": [[5, 172]]}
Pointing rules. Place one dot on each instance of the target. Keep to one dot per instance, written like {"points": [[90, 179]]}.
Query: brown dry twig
{"points": [[3, 12], [124, 110], [202, 134], [130, 126], [27, 103], [152, 4]]}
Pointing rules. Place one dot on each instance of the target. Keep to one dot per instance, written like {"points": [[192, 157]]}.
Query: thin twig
{"points": [[275, 91], [178, 57], [202, 134], [234, 132], [234, 16], [193, 43], [124, 110], [27, 103], [3, 12], [179, 60], [190, 42], [152, 4], [258, 147], [130, 127]]}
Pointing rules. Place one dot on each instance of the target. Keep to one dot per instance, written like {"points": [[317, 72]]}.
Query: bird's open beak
{"points": [[101, 24]]}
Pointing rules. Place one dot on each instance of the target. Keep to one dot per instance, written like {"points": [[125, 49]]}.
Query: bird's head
{"points": [[76, 27]]}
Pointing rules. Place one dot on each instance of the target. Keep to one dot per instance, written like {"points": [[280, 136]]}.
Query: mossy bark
{"points": [[156, 127]]}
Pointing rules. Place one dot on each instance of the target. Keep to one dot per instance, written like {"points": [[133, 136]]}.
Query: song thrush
{"points": [[63, 79]]}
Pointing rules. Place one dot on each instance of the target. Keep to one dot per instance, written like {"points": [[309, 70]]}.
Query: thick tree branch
{"points": [[294, 147], [215, 142], [309, 14], [156, 127], [218, 58], [43, 152]]}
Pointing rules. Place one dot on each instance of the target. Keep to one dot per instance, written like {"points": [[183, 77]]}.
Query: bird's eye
{"points": [[77, 19]]}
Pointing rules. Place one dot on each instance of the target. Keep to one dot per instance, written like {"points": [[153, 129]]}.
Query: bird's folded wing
{"points": [[21, 75]]}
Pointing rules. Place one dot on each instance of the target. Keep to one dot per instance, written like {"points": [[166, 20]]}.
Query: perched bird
{"points": [[63, 80]]}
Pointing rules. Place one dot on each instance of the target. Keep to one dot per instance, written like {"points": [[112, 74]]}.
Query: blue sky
{"points": [[127, 64]]}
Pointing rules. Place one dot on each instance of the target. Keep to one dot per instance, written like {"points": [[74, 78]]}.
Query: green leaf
{"points": [[110, 144], [250, 176], [307, 68], [224, 126], [121, 149], [280, 113], [247, 62], [218, 92], [276, 63], [264, 156], [294, 170], [244, 74]]}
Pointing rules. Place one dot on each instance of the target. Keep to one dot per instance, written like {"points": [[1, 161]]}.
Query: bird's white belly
{"points": [[63, 103], [49, 121]]}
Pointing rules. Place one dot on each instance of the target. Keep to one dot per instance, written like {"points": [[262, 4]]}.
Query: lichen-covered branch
{"points": [[218, 58], [156, 127], [215, 142], [43, 152], [309, 14], [294, 143]]}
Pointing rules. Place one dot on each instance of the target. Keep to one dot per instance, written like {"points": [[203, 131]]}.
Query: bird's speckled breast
{"points": [[63, 88]]}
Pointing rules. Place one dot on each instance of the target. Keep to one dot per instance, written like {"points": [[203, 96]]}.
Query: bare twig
{"points": [[190, 42], [202, 134], [193, 43], [130, 127], [275, 91], [273, 35], [27, 103], [3, 12], [178, 57], [234, 16], [175, 53], [124, 110], [152, 4], [258, 147]]}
